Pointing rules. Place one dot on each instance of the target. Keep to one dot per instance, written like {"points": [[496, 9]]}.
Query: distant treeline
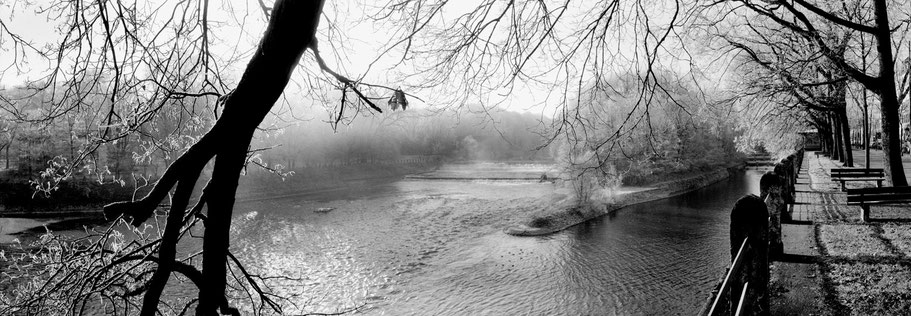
{"points": [[45, 165], [405, 136]]}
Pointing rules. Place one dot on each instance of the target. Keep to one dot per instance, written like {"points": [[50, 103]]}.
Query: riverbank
{"points": [[85, 198], [263, 185], [564, 214], [74, 197], [14, 222]]}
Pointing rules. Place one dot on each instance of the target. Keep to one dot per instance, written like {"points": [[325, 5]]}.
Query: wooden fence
{"points": [[755, 234]]}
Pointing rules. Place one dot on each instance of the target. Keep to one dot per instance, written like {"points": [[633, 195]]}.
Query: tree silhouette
{"points": [[808, 21]]}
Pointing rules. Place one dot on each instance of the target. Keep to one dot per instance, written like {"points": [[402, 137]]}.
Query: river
{"points": [[437, 248], [432, 247]]}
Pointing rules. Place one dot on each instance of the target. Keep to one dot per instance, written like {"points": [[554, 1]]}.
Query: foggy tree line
{"points": [[44, 145], [492, 136]]}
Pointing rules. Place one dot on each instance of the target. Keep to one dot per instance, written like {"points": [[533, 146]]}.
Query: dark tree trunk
{"points": [[892, 155], [291, 30], [866, 103], [846, 136], [825, 141], [839, 96], [168, 251], [830, 148], [866, 140], [836, 150], [837, 153], [892, 159]]}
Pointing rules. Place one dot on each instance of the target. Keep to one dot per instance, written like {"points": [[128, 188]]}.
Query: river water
{"points": [[437, 247]]}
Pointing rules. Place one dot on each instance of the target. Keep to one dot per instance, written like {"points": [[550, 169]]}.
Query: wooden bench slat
{"points": [[879, 196], [857, 175], [857, 169], [874, 195], [855, 172], [857, 178], [879, 190], [876, 202]]}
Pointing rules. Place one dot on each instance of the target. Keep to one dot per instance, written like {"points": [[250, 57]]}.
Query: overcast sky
{"points": [[357, 43]]}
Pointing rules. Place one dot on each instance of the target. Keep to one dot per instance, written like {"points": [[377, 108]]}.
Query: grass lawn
{"points": [[900, 236], [873, 289], [852, 241]]}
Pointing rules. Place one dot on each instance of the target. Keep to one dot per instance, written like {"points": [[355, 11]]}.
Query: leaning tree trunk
{"points": [[892, 154], [291, 30]]}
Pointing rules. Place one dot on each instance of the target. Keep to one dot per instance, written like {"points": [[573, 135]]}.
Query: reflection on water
{"points": [[480, 170], [372, 244], [9, 226], [436, 247], [650, 259]]}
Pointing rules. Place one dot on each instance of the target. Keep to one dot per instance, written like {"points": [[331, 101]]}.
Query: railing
{"points": [[721, 298], [744, 289], [756, 229]]}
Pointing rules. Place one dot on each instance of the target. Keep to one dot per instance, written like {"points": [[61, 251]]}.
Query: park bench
{"points": [[857, 174], [870, 196]]}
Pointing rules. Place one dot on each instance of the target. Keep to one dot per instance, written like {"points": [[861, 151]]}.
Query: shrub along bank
{"points": [[562, 215], [79, 197], [19, 198]]}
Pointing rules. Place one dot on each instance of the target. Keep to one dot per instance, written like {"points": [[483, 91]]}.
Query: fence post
{"points": [[749, 218], [770, 191], [783, 170], [795, 169]]}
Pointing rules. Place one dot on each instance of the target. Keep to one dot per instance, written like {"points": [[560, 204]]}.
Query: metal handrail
{"points": [[743, 296], [725, 286]]}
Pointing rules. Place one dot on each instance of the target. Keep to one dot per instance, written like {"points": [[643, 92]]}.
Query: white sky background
{"points": [[235, 30], [236, 26]]}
